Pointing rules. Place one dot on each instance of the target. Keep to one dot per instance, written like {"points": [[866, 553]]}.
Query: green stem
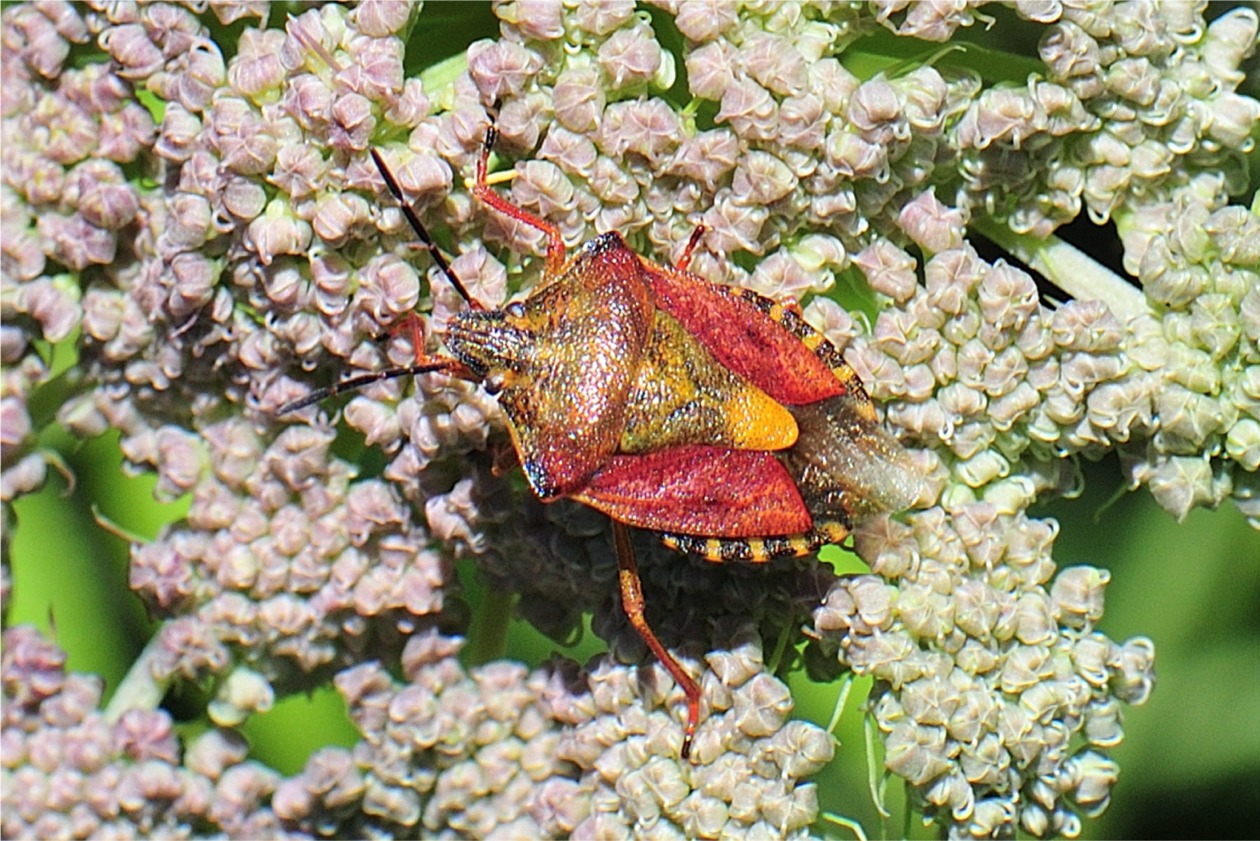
{"points": [[845, 687], [848, 823], [874, 778], [439, 79], [139, 689], [488, 639], [780, 646]]}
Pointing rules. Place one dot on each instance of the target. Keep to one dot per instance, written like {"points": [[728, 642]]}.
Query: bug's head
{"points": [[494, 344]]}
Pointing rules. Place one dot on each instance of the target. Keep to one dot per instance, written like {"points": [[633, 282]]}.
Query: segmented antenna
{"points": [[367, 379], [422, 232], [448, 365]]}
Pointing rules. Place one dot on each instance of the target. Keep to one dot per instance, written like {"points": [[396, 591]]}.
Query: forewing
{"points": [[745, 338], [700, 491]]}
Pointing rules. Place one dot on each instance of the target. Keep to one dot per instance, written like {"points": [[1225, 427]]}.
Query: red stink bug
{"points": [[712, 415]]}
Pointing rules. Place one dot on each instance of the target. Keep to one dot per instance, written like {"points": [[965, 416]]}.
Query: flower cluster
{"points": [[1130, 103], [970, 361], [499, 751], [284, 568], [996, 695], [1198, 258], [72, 771], [192, 207]]}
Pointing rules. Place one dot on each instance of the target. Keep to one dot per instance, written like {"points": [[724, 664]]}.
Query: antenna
{"points": [[451, 366], [422, 232], [355, 383]]}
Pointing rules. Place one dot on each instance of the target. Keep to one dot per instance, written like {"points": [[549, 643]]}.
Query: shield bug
{"points": [[712, 415]]}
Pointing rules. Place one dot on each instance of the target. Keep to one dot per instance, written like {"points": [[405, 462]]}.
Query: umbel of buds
{"points": [[193, 220]]}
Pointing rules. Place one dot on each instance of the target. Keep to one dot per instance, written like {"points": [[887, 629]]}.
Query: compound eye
{"points": [[515, 309], [493, 383]]}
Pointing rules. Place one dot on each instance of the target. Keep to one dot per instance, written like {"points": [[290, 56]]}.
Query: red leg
{"points": [[685, 260], [482, 190], [413, 327], [632, 603]]}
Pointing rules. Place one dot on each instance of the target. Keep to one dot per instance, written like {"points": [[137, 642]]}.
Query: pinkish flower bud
{"points": [[72, 132], [603, 18], [379, 18], [572, 152], [779, 276], [388, 287], [108, 205], [706, 158], [856, 157], [256, 70], [331, 277], [125, 133], [131, 46], [1233, 119], [299, 170], [65, 17], [373, 68], [650, 128], [194, 276], [704, 20], [308, 99], [536, 20], [230, 11], [54, 303], [734, 226], [761, 178], [1068, 52], [172, 28], [630, 57], [501, 69], [521, 120], [775, 63], [103, 312], [278, 232], [750, 110], [352, 123], [802, 122], [410, 107], [931, 225], [243, 198], [875, 110], [338, 215], [483, 275], [241, 137], [423, 176], [180, 132], [930, 22], [710, 70], [41, 45], [888, 269], [578, 99], [77, 243], [188, 225], [205, 74], [23, 254], [542, 185]]}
